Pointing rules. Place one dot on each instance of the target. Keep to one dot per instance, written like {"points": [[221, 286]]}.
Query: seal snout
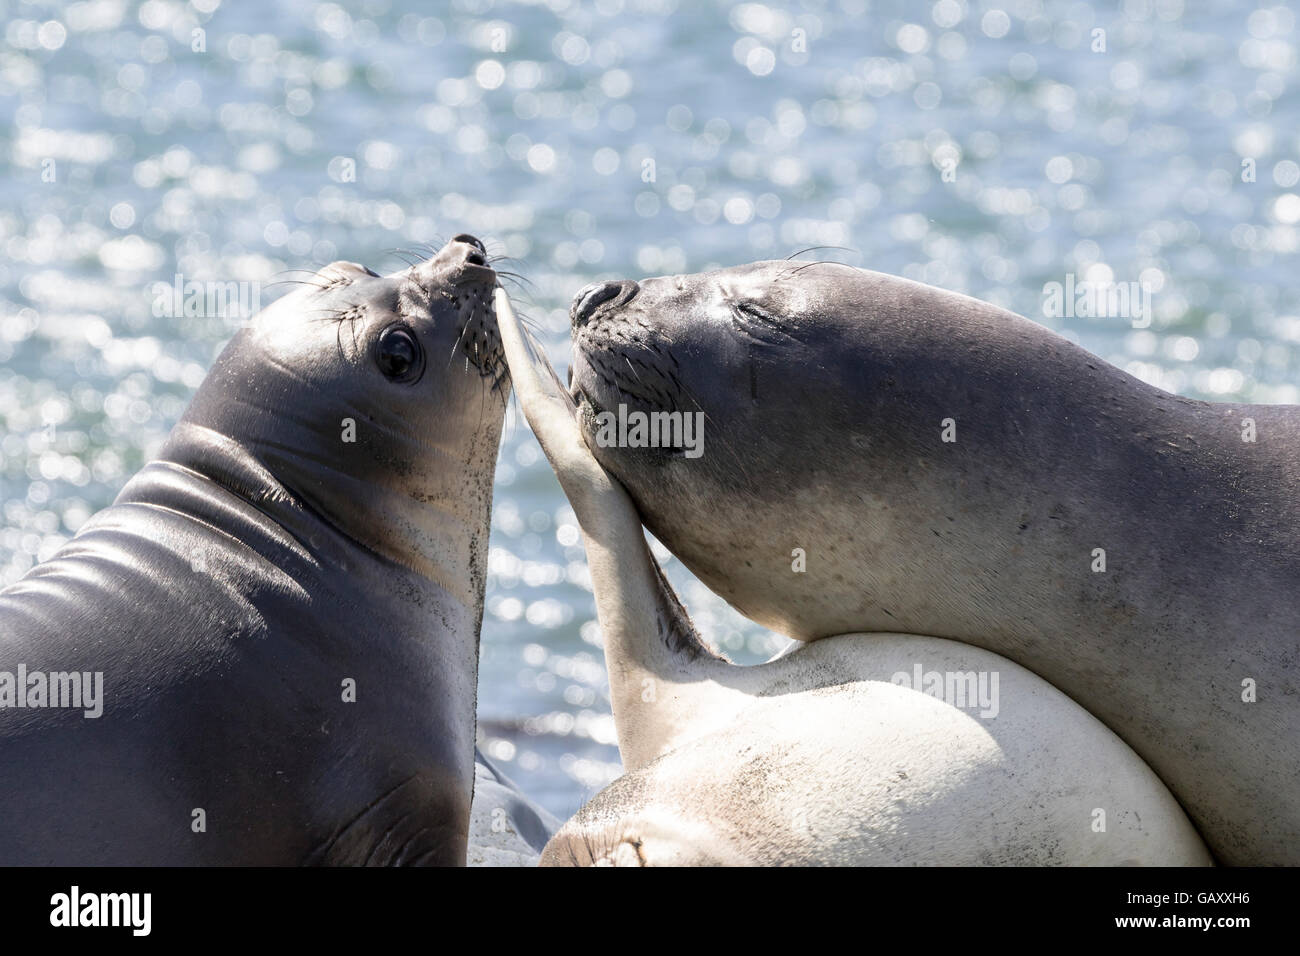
{"points": [[453, 289], [465, 237], [478, 258], [592, 297], [464, 258]]}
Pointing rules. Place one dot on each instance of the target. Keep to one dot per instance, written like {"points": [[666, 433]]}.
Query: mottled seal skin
{"points": [[822, 756], [826, 391], [257, 564]]}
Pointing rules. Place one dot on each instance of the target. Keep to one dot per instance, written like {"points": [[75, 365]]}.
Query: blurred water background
{"points": [[610, 139]]}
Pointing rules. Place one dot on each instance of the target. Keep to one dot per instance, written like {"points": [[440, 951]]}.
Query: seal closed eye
{"points": [[753, 321]]}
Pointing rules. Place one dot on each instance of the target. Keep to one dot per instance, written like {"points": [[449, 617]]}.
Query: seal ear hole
{"points": [[398, 354]]}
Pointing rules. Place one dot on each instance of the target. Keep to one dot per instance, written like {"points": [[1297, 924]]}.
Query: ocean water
{"points": [[990, 148]]}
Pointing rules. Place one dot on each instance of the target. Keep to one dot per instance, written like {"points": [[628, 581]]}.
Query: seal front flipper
{"points": [[661, 674]]}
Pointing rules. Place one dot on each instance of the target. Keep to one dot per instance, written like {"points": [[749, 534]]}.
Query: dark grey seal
{"points": [[284, 606]]}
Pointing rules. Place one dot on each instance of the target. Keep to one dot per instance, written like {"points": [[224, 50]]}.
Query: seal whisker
{"points": [[456, 345], [822, 262], [525, 297], [522, 281], [634, 372], [315, 285], [529, 323], [493, 260], [795, 255], [310, 272], [403, 255], [320, 283]]}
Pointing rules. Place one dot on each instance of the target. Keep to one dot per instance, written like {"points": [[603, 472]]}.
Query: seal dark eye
{"points": [[398, 354]]}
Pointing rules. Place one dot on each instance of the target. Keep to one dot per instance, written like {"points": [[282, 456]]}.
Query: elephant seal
{"points": [[830, 753], [277, 619], [946, 467]]}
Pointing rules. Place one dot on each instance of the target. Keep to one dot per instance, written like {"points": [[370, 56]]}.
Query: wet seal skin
{"points": [[283, 607], [949, 468], [838, 752]]}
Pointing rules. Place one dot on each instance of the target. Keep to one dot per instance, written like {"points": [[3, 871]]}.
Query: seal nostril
{"points": [[471, 240], [476, 258], [592, 297]]}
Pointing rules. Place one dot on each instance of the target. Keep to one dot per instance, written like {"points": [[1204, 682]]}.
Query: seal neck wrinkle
{"points": [[338, 478], [314, 498], [200, 454]]}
